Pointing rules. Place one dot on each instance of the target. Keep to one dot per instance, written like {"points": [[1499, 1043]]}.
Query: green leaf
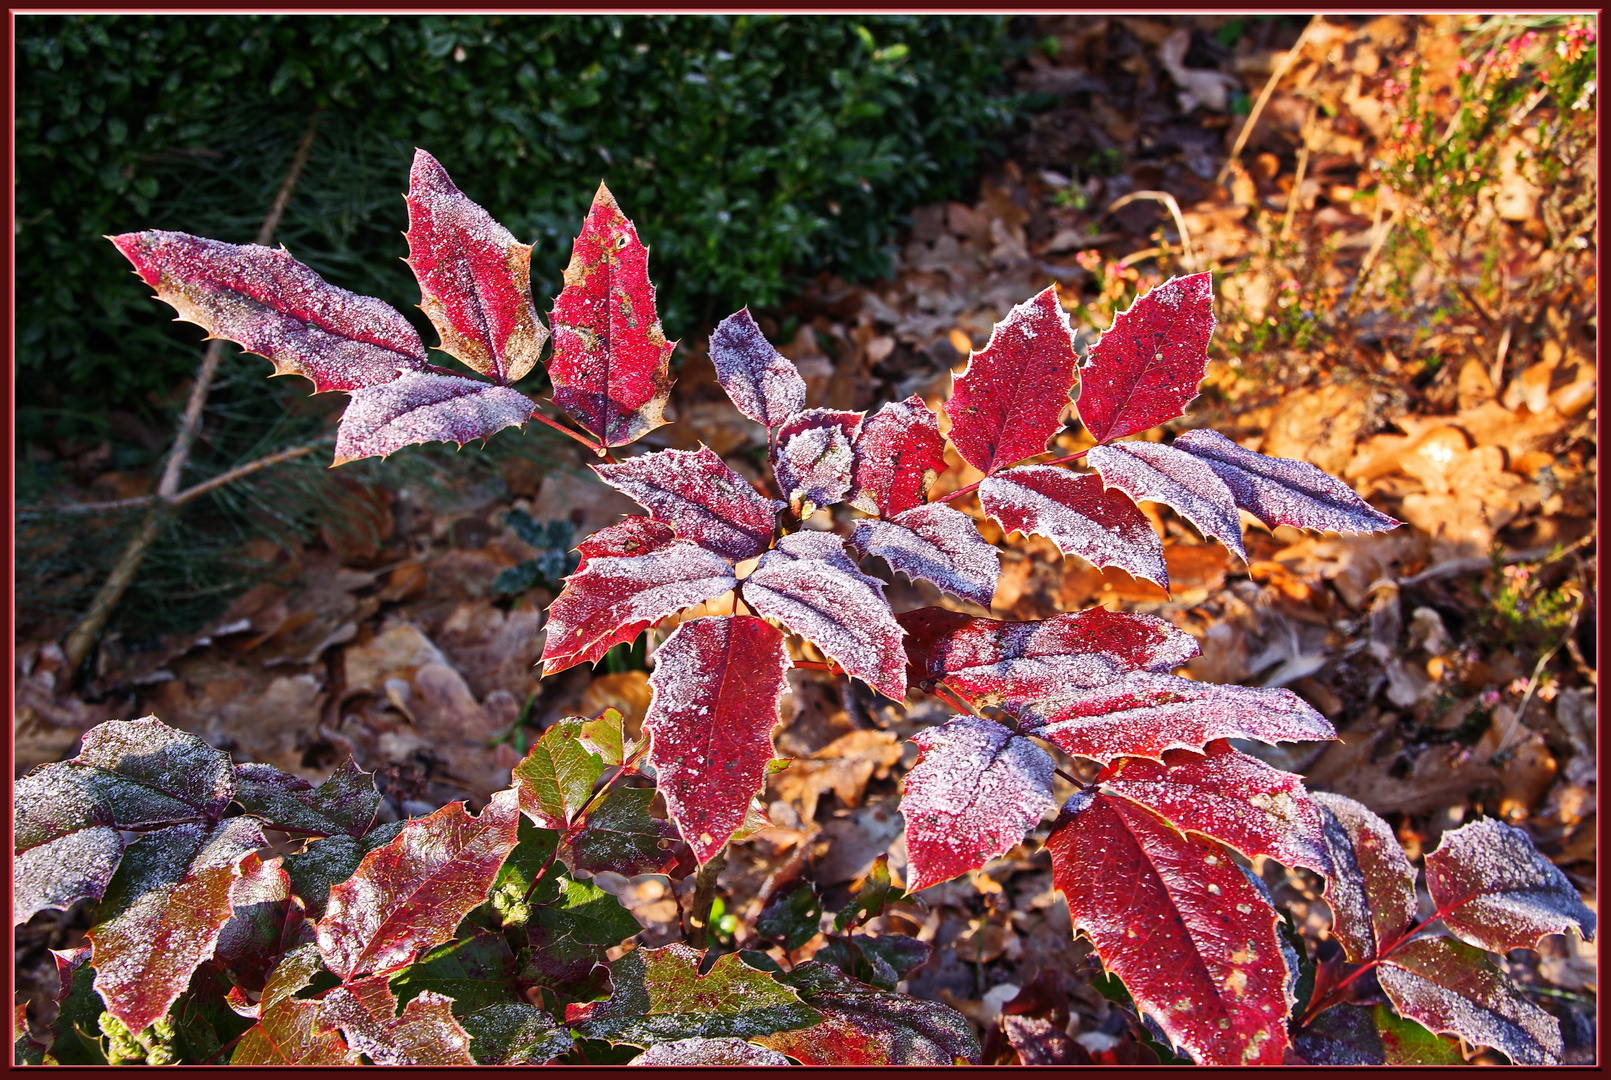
{"points": [[621, 835], [862, 1025], [556, 779], [475, 972], [570, 932], [876, 893], [793, 918], [606, 737], [331, 861], [514, 1033], [76, 1034], [1355, 1035]]}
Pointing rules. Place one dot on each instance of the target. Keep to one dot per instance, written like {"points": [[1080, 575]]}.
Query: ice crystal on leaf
{"points": [[1159, 473], [1075, 512], [703, 500], [421, 407], [815, 458], [937, 544], [761, 382], [899, 454]]}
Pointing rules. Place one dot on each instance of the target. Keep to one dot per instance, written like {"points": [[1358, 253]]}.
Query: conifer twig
{"points": [[88, 628]]}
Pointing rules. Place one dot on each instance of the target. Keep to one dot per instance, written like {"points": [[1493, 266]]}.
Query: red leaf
{"points": [[1494, 890], [425, 1034], [992, 662], [1282, 491], [762, 382], [1010, 398], [862, 1025], [899, 454], [1453, 989], [475, 277], [422, 407], [272, 305], [610, 601], [1194, 941], [717, 686], [809, 585], [975, 791], [815, 457], [938, 544], [626, 539], [1148, 366], [412, 893], [695, 493], [611, 361], [252, 939], [1075, 512], [1229, 796], [292, 1033], [1147, 713], [1371, 889], [163, 912], [621, 835], [1160, 473]]}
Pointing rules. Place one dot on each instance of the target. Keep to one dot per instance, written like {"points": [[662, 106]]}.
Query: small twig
{"points": [[1532, 683], [195, 491], [704, 897], [1497, 372], [1377, 242], [1295, 196], [1188, 255], [1276, 76]]}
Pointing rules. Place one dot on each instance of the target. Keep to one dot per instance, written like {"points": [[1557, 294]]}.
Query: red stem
{"points": [[950, 697], [563, 430], [959, 492], [1333, 995], [812, 665]]}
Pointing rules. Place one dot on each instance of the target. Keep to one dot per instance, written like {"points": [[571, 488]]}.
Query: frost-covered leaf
{"points": [[1283, 491], [1040, 1042], [697, 1051], [330, 861], [975, 791], [826, 600], [1010, 398], [1160, 473], [762, 382], [57, 874], [610, 601], [571, 926], [862, 1025], [1453, 989], [938, 544], [274, 306], [1149, 364], [1172, 915], [717, 686], [1146, 713], [1229, 796], [175, 763], [792, 918], [473, 972], [291, 1030], [661, 997], [412, 893], [347, 801], [1359, 1035], [993, 662], [556, 777], [815, 457], [514, 1033], [695, 493], [627, 538], [264, 918], [422, 407], [1371, 890], [1075, 512], [899, 454], [878, 961], [1494, 890], [162, 914], [475, 277], [611, 361], [425, 1034], [622, 835]]}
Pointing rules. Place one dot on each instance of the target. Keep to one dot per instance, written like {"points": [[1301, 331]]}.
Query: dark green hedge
{"points": [[748, 149]]}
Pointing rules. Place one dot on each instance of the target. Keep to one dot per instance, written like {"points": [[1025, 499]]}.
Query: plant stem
{"points": [[563, 430], [960, 492], [704, 897]]}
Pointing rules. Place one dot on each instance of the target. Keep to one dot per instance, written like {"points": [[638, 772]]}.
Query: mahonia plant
{"points": [[1145, 853]]}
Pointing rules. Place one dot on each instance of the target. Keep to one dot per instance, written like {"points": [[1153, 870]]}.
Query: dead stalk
{"points": [[1270, 84]]}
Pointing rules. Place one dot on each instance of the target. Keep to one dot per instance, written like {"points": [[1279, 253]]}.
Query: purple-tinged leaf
{"points": [[1453, 989], [475, 277], [263, 914], [975, 791], [1075, 512], [610, 601], [698, 1051], [899, 454], [1282, 491], [347, 801], [1010, 398], [815, 457], [422, 407], [938, 544], [611, 362], [272, 305], [1371, 890], [1356, 1035], [863, 1025], [1150, 363], [1228, 796], [622, 836], [412, 893], [1494, 890], [514, 1033], [1159, 473], [992, 662], [425, 1034], [556, 778], [1041, 1042], [762, 382], [703, 500], [841, 611], [1194, 941], [55, 875], [717, 686], [163, 912], [661, 997], [1147, 713], [626, 539], [173, 762]]}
